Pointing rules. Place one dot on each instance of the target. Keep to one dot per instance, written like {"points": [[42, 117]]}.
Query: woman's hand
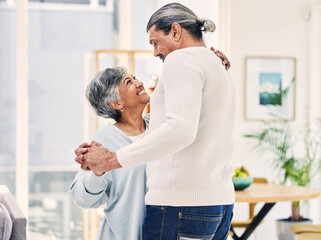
{"points": [[93, 156], [224, 59]]}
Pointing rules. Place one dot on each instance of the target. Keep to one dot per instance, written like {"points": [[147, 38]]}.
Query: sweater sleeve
{"points": [[88, 190], [183, 81]]}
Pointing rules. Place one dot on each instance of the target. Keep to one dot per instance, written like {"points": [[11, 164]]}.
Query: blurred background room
{"points": [[50, 48]]}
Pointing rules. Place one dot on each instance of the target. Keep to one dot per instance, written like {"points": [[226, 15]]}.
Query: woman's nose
{"points": [[138, 83]]}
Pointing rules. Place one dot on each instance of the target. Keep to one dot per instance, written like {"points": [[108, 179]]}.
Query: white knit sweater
{"points": [[189, 148]]}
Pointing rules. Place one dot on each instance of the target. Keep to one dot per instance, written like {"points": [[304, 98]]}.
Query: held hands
{"points": [[93, 156], [224, 59]]}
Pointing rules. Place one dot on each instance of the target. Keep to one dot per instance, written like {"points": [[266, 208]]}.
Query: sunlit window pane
{"points": [[102, 2], [58, 42], [63, 1], [51, 212], [7, 97]]}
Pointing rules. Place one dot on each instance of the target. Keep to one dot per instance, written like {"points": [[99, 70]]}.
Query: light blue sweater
{"points": [[122, 190]]}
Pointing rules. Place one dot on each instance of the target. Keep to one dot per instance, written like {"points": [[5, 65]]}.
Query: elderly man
{"points": [[190, 190]]}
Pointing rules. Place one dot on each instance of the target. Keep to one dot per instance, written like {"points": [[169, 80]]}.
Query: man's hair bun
{"points": [[207, 25]]}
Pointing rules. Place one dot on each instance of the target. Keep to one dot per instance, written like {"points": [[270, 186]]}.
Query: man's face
{"points": [[163, 44]]}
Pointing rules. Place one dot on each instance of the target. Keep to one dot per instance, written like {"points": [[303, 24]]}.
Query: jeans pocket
{"points": [[197, 226], [152, 225]]}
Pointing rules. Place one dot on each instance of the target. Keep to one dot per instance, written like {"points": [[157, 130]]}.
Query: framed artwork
{"points": [[270, 88]]}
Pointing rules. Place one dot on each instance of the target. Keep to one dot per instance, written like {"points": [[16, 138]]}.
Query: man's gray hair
{"points": [[102, 91], [164, 17]]}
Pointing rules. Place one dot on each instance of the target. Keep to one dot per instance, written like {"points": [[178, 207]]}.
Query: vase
{"points": [[283, 228]]}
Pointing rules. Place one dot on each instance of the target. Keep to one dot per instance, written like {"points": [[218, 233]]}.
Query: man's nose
{"points": [[156, 52]]}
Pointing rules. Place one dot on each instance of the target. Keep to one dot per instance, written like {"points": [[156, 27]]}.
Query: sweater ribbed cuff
{"points": [[122, 158], [95, 184]]}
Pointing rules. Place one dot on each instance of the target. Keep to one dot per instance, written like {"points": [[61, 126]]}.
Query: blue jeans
{"points": [[186, 223]]}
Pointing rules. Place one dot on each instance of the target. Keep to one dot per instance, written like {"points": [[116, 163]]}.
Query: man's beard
{"points": [[161, 57]]}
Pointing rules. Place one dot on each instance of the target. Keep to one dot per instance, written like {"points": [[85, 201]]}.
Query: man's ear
{"points": [[176, 31], [117, 105]]}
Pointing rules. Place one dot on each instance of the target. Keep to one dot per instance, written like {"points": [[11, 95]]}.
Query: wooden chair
{"points": [[306, 231], [244, 224]]}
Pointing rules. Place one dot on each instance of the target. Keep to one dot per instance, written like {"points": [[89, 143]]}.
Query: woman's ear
{"points": [[117, 105]]}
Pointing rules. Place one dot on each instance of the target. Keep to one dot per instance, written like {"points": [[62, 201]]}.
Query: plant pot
{"points": [[283, 228]]}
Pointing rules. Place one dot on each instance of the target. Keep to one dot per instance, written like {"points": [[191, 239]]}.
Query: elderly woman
{"points": [[113, 93]]}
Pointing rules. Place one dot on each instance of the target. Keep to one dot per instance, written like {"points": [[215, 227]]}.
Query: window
{"points": [[62, 1], [57, 44], [7, 98], [101, 2]]}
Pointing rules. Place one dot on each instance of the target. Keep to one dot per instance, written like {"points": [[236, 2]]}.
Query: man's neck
{"points": [[190, 41]]}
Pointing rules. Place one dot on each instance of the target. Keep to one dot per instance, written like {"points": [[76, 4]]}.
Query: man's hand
{"points": [[93, 156], [224, 59]]}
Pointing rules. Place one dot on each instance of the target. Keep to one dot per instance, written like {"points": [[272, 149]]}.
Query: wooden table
{"points": [[269, 194]]}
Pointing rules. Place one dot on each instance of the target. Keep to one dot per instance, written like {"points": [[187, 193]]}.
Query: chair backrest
{"points": [[244, 224], [19, 221], [260, 180], [306, 231]]}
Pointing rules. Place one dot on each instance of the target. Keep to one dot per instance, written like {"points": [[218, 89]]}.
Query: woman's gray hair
{"points": [[102, 91], [164, 17]]}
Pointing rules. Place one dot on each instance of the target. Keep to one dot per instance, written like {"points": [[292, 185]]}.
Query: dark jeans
{"points": [[185, 223]]}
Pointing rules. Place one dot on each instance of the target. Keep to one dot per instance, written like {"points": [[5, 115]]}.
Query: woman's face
{"points": [[132, 92]]}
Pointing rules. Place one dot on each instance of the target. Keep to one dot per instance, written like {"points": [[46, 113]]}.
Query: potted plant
{"points": [[296, 152]]}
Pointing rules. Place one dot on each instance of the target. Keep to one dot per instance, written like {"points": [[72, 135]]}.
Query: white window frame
{"points": [[93, 5], [22, 125]]}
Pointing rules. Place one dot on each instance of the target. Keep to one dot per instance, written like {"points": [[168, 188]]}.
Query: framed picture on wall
{"points": [[270, 88]]}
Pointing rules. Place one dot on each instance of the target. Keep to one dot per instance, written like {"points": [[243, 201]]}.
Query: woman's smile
{"points": [[141, 92]]}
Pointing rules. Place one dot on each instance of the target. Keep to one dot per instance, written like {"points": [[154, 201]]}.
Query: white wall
{"points": [[267, 28], [270, 28]]}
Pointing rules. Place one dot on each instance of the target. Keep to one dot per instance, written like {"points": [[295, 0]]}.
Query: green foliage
{"points": [[282, 140], [286, 143]]}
